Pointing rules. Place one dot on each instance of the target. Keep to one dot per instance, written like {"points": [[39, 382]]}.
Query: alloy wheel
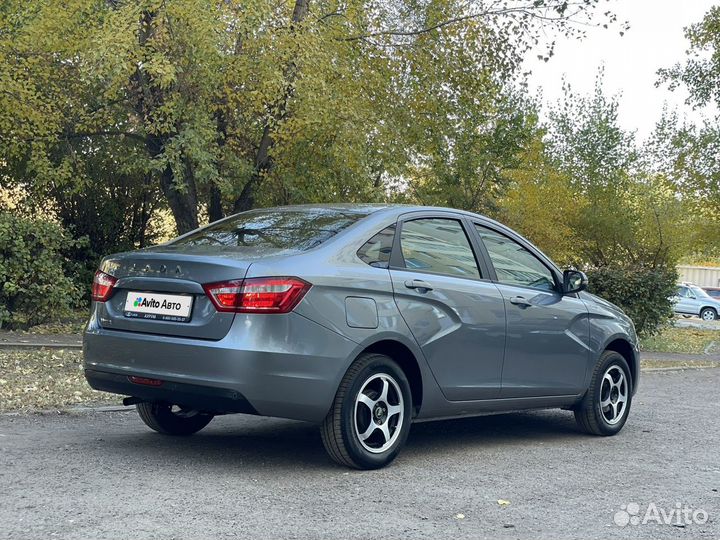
{"points": [[613, 395], [379, 413]]}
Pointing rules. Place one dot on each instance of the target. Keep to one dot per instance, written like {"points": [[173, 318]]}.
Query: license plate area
{"points": [[158, 307]]}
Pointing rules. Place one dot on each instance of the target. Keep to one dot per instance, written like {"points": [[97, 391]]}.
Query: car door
{"points": [[453, 310], [547, 349], [686, 301], [680, 300]]}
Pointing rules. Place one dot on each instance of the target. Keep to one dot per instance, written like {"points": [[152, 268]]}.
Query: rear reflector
{"points": [[102, 286], [145, 381], [258, 295]]}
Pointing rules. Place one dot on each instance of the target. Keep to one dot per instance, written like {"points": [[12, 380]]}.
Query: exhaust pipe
{"points": [[132, 401]]}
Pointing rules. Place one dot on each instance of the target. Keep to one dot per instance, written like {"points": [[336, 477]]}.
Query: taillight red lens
{"points": [[258, 295], [102, 286]]}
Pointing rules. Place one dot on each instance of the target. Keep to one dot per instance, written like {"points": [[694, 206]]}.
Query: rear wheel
{"points": [[172, 419], [606, 405], [708, 314], [369, 420]]}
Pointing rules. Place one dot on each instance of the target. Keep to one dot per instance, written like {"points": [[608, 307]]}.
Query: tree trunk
{"points": [[183, 203], [263, 161], [215, 209], [182, 199]]}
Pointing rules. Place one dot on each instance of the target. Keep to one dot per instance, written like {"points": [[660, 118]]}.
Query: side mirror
{"points": [[574, 281]]}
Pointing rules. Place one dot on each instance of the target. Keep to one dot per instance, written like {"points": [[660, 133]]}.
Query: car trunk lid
{"points": [[167, 276]]}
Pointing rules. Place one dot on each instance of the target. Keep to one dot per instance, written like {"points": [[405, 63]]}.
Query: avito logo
{"points": [[146, 302]]}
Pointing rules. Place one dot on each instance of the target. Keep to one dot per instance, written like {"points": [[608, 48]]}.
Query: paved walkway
{"points": [[21, 340], [679, 357]]}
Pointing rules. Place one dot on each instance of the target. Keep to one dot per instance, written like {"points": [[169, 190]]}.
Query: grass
{"points": [[44, 379], [73, 324], [683, 340]]}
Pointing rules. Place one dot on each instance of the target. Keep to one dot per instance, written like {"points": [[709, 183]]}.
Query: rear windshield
{"points": [[281, 229]]}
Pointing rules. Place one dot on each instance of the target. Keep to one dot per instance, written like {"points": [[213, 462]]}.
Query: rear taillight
{"points": [[102, 286], [258, 295]]}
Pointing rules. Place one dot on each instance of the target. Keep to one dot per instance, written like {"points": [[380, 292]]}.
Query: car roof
{"points": [[388, 209]]}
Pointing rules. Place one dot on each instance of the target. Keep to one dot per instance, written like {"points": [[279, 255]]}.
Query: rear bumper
{"points": [[204, 398], [273, 365]]}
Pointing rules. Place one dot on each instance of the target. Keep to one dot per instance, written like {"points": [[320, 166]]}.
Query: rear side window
{"points": [[377, 250], [281, 229], [439, 246]]}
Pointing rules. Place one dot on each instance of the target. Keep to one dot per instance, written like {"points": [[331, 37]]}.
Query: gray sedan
{"points": [[360, 318]]}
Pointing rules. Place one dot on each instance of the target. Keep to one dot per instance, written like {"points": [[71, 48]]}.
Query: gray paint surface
{"points": [[475, 350]]}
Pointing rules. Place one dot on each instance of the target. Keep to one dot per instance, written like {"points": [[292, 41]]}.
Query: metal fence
{"points": [[703, 276]]}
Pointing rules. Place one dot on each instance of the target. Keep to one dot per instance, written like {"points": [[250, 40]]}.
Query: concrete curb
{"points": [[675, 368], [71, 409], [22, 345]]}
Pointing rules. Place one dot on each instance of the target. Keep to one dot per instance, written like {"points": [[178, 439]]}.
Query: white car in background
{"points": [[692, 300]]}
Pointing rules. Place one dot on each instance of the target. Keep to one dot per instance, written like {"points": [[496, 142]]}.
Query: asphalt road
{"points": [[104, 475]]}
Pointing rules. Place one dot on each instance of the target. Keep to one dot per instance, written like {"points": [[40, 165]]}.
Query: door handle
{"points": [[419, 285], [520, 301]]}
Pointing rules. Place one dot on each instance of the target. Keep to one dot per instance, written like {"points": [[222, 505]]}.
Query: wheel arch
{"points": [[625, 349], [407, 360]]}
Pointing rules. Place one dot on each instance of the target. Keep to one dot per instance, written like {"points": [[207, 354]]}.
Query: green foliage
{"points": [[227, 105], [643, 292], [33, 284], [115, 113], [630, 223], [693, 162], [700, 74], [540, 201]]}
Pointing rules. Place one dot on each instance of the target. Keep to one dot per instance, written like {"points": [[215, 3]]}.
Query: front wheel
{"points": [[606, 405], [708, 314], [369, 420], [172, 419]]}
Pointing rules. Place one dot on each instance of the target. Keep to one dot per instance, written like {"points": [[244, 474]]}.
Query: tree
{"points": [[687, 158], [696, 160], [630, 228], [541, 203], [700, 74], [224, 105]]}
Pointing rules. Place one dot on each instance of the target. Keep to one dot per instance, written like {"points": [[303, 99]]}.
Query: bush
{"points": [[33, 284], [642, 292]]}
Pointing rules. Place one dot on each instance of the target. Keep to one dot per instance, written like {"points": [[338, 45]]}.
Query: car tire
{"points": [[708, 314], [605, 407], [369, 420], [163, 418]]}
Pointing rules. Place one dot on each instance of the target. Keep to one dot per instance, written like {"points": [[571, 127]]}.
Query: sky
{"points": [[655, 39]]}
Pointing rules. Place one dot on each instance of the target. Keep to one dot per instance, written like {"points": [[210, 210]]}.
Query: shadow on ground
{"points": [[249, 441]]}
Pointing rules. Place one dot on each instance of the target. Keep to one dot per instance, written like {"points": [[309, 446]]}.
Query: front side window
{"points": [[697, 292], [377, 250], [515, 265], [439, 246]]}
